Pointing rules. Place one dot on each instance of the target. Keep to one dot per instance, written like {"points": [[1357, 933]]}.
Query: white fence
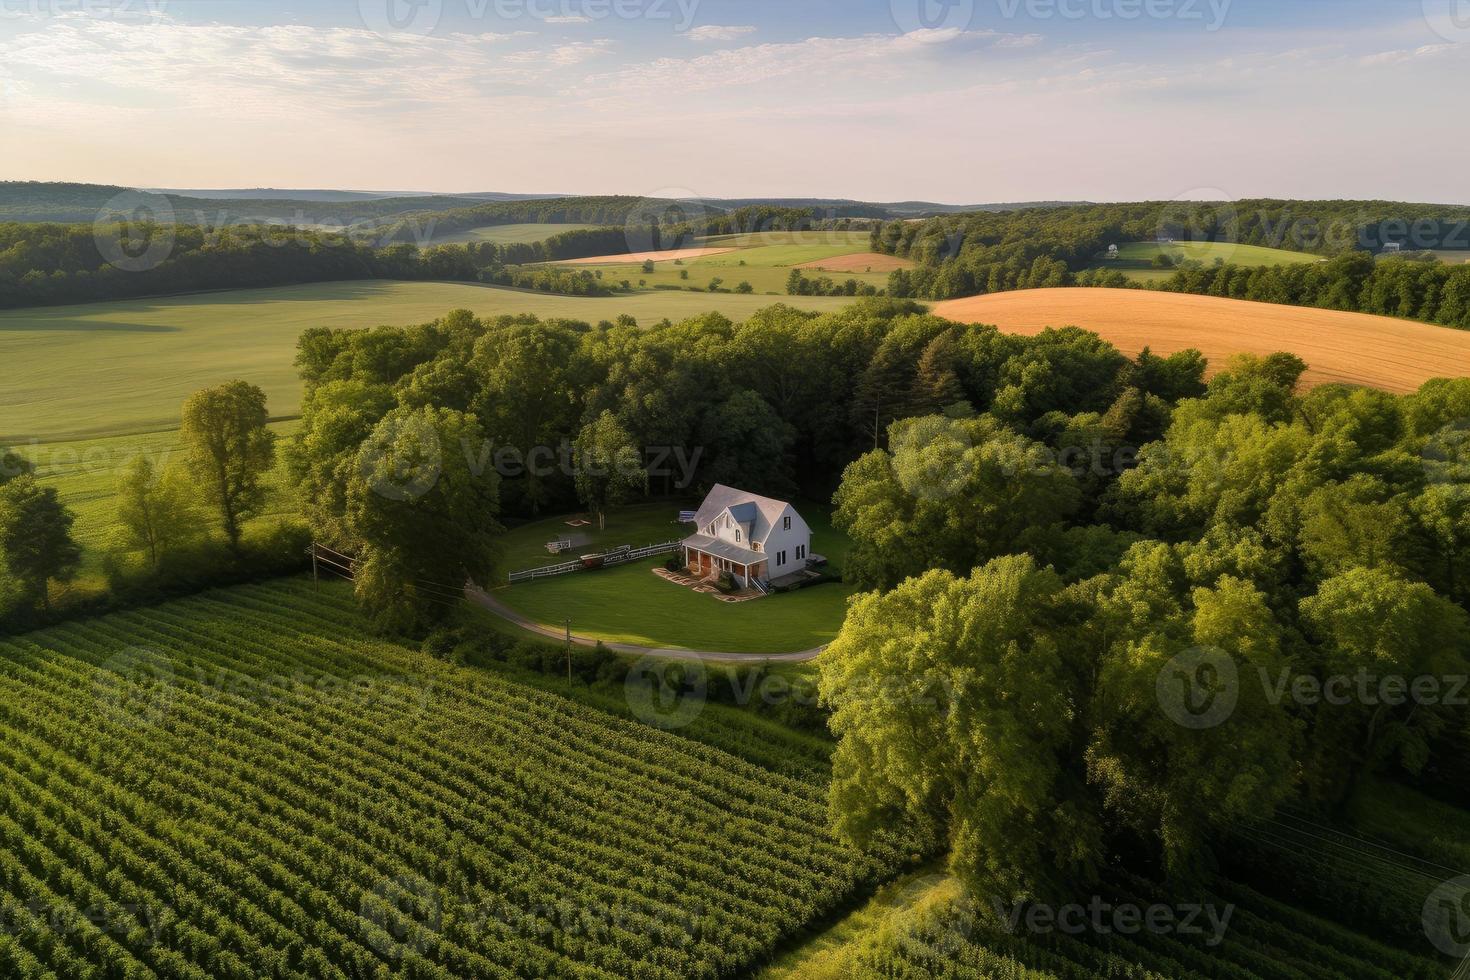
{"points": [[611, 558]]}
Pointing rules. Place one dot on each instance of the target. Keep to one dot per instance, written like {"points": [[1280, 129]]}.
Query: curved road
{"points": [[487, 601]]}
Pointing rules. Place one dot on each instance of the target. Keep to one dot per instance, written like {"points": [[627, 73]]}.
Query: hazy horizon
{"points": [[952, 101]]}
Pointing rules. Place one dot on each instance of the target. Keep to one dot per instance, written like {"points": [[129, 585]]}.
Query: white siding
{"points": [[787, 540]]}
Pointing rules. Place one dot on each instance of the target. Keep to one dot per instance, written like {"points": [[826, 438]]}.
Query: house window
{"points": [[780, 558], [737, 537], [787, 523], [800, 552]]}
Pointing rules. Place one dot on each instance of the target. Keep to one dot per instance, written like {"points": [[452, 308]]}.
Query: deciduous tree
{"points": [[228, 451]]}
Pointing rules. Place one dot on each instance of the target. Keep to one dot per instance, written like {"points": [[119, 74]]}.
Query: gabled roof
{"points": [[722, 498]]}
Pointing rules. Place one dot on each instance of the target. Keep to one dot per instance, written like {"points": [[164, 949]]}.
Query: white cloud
{"points": [[829, 58], [715, 32], [568, 19]]}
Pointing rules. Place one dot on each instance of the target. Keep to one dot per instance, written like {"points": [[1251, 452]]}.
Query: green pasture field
{"points": [[525, 234], [85, 474], [100, 369], [1135, 258], [762, 259], [630, 604]]}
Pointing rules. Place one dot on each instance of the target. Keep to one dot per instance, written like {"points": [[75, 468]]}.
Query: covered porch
{"points": [[708, 557]]}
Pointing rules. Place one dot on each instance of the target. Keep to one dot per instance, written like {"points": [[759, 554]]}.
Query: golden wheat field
{"points": [[1353, 348]]}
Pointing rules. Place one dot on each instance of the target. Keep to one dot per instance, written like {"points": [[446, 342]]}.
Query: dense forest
{"points": [[1057, 522]]}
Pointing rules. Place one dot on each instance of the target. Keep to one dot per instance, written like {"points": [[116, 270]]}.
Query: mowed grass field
{"points": [[630, 604], [100, 369], [1135, 259], [524, 234], [763, 259], [1352, 348]]}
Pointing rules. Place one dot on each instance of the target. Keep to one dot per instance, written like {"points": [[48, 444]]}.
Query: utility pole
{"points": [[316, 585], [569, 649]]}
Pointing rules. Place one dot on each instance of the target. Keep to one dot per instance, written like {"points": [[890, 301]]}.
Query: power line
{"points": [[1357, 839]]}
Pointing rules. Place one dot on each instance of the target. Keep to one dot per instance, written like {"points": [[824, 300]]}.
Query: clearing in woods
{"points": [[1135, 259], [762, 259], [1351, 348], [859, 262], [525, 234]]}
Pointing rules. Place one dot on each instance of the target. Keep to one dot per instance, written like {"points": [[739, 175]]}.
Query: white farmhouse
{"points": [[754, 538]]}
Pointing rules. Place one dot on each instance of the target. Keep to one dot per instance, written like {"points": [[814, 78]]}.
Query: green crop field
{"points": [[762, 259], [506, 234], [630, 604], [113, 368], [245, 784]]}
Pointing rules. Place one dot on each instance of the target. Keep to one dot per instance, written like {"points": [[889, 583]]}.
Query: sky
{"points": [[957, 101]]}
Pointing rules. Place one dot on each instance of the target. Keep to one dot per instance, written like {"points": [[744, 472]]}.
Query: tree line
{"points": [[1414, 288], [46, 263], [53, 263]]}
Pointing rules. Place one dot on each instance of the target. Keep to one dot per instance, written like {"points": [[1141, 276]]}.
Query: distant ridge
{"points": [[334, 196]]}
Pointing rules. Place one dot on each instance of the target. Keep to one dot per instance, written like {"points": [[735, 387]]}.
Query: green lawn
{"points": [[762, 259], [525, 234], [1135, 259], [632, 605], [75, 372]]}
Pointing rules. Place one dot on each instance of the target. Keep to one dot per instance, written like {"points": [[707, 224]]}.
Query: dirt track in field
{"points": [[669, 256], [1353, 348], [859, 262]]}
